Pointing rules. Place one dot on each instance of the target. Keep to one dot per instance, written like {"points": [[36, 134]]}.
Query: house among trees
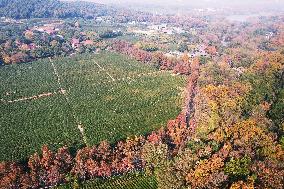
{"points": [[27, 47], [50, 29], [47, 29], [75, 43], [29, 34], [87, 42], [158, 27]]}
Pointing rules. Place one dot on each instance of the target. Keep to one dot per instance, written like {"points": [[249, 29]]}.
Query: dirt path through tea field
{"points": [[104, 71], [65, 94]]}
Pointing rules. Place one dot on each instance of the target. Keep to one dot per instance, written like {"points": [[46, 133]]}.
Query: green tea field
{"points": [[82, 100]]}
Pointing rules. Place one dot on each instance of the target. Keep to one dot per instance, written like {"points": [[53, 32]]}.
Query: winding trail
{"points": [[65, 94]]}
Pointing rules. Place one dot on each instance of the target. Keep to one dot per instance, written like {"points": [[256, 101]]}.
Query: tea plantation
{"points": [[82, 100]]}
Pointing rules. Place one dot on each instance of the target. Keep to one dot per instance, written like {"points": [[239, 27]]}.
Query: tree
{"points": [[155, 156], [218, 107], [238, 168], [207, 173], [183, 47], [49, 169], [270, 174], [13, 176]]}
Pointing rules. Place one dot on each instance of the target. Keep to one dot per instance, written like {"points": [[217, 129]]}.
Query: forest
{"points": [[94, 96], [19, 9]]}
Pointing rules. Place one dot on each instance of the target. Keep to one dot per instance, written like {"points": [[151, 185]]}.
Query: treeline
{"points": [[158, 59], [22, 9]]}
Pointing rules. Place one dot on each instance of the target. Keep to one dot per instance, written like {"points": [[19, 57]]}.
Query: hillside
{"points": [[22, 9]]}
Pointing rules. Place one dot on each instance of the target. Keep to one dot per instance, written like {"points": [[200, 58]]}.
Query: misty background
{"points": [[277, 5]]}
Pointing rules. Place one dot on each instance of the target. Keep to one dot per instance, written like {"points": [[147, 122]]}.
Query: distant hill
{"points": [[20, 9]]}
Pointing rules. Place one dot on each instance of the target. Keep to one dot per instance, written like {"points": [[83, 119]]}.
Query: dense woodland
{"points": [[19, 9], [230, 132]]}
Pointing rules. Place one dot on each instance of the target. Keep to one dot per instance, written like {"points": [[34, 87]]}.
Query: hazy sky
{"points": [[196, 3], [208, 2]]}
